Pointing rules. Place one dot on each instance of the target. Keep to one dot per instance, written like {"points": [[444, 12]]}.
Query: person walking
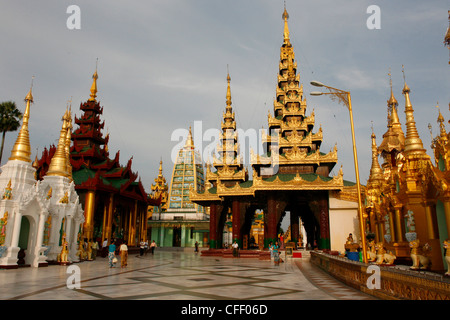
{"points": [[105, 248], [153, 246], [235, 249], [112, 254], [271, 250], [123, 254], [196, 246], [94, 247], [142, 247]]}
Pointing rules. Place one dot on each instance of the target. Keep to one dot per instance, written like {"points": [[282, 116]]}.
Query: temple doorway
{"points": [[176, 237], [24, 240]]}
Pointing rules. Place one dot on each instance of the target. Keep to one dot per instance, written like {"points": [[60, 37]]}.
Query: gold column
{"points": [[105, 221], [430, 224], [447, 214], [89, 209], [391, 227], [133, 226], [108, 226], [398, 225]]}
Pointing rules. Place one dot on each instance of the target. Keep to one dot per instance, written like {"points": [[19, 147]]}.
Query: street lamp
{"points": [[344, 98]]}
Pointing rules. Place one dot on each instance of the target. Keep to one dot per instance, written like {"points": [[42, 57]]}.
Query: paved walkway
{"points": [[177, 276]]}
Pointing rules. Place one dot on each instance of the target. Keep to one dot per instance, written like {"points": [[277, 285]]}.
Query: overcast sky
{"points": [[162, 67]]}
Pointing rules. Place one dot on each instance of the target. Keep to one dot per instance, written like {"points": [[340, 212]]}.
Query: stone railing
{"points": [[393, 282]]}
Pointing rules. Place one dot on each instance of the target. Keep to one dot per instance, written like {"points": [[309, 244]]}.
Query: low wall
{"points": [[395, 283]]}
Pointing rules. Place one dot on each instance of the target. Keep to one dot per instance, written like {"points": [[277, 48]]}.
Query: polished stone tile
{"points": [[176, 276]]}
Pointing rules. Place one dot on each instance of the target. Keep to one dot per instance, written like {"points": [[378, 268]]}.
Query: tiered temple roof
{"points": [[92, 168], [292, 160], [229, 166], [187, 175]]}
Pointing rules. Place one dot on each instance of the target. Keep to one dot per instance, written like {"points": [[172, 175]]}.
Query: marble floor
{"points": [[176, 276]]}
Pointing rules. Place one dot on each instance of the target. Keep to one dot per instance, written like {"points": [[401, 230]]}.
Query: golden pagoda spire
{"points": [[189, 140], [160, 168], [394, 120], [413, 143], [441, 120], [285, 17], [68, 139], [228, 91], [375, 170], [21, 150], [58, 164], [94, 84]]}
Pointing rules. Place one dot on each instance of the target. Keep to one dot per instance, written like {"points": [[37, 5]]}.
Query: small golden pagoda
{"points": [[159, 192], [408, 208]]}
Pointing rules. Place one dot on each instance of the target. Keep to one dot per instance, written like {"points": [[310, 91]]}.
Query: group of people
{"points": [[275, 252], [111, 250], [143, 247]]}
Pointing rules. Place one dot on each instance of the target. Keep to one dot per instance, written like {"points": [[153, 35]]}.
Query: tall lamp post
{"points": [[344, 98]]}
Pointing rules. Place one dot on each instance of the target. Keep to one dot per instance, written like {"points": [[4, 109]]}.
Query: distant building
{"points": [[183, 222]]}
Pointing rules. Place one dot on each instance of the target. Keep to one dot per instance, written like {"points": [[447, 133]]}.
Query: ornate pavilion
{"points": [[114, 200], [293, 176]]}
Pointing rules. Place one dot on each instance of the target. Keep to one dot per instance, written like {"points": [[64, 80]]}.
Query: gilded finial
{"points": [[21, 150], [392, 101], [189, 140], [94, 84], [285, 17], [228, 89]]}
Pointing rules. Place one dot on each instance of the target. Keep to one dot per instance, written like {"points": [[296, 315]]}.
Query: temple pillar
{"points": [[16, 229], [272, 222], [236, 212], [213, 226], [89, 210], [447, 213], [39, 254], [294, 226], [324, 242], [107, 229], [437, 262], [398, 224], [392, 227]]}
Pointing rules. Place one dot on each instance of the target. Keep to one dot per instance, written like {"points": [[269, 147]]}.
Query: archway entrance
{"points": [[24, 239]]}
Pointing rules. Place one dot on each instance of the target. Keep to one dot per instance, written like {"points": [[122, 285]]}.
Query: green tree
{"points": [[10, 118]]}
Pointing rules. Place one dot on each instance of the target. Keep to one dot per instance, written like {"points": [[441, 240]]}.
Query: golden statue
{"points": [[383, 257], [64, 255], [350, 245], [89, 251], [7, 195], [447, 255], [81, 253], [419, 256], [3, 223], [372, 253]]}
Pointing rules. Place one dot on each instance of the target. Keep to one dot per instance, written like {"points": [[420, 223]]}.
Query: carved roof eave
{"points": [[206, 196], [296, 184], [303, 158]]}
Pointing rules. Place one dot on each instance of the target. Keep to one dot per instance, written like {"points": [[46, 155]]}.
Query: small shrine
{"points": [[41, 219]]}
